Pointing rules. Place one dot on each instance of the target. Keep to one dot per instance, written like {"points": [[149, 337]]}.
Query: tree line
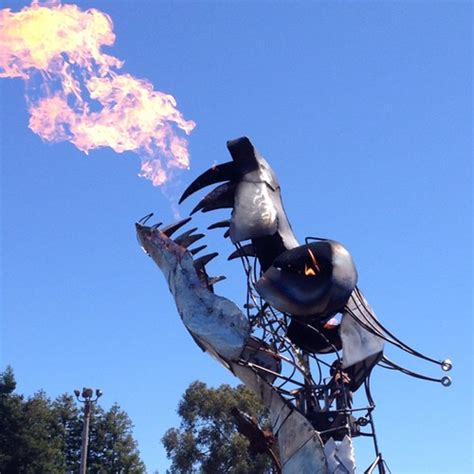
{"points": [[40, 435], [222, 430]]}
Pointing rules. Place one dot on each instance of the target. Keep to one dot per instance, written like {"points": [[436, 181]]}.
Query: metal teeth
{"points": [[170, 229], [216, 174], [217, 225], [184, 236], [145, 219], [245, 251], [197, 249], [219, 198], [155, 226], [213, 280], [201, 262], [189, 240], [226, 233]]}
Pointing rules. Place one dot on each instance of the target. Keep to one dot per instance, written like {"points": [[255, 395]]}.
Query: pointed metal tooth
{"points": [[184, 235], [226, 233], [245, 251], [155, 226], [204, 260], [189, 240], [223, 172], [218, 225], [213, 280], [145, 219], [197, 249], [219, 198], [170, 229]]}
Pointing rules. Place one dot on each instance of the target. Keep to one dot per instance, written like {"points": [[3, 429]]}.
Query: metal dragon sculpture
{"points": [[304, 315]]}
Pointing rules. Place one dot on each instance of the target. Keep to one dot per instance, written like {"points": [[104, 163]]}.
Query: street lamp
{"points": [[86, 397]]}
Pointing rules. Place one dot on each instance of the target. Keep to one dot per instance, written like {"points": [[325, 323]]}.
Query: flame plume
{"points": [[75, 92]]}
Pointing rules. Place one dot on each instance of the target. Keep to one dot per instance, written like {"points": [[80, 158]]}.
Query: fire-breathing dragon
{"points": [[302, 304]]}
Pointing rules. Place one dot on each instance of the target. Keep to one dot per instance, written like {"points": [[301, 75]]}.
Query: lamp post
{"points": [[87, 398]]}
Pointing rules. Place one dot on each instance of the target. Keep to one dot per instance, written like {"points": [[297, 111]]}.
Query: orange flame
{"points": [[75, 92], [308, 270]]}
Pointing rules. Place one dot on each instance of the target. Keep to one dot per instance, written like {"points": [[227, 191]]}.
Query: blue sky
{"points": [[364, 110]]}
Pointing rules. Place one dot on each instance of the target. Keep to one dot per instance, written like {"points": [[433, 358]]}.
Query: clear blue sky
{"points": [[364, 110]]}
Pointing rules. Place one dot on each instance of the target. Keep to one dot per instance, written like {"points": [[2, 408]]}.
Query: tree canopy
{"points": [[210, 438], [43, 435]]}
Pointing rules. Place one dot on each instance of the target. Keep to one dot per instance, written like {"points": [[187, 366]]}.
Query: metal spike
{"points": [[145, 219], [204, 260], [189, 240], [184, 235], [245, 251], [155, 226], [213, 280], [226, 233], [223, 172], [197, 249], [217, 225], [170, 229], [219, 198]]}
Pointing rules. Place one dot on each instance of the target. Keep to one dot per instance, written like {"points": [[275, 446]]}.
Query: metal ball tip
{"points": [[446, 365], [446, 381]]}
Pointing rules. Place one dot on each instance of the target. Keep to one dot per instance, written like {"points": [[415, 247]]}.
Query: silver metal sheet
{"points": [[357, 342], [308, 460], [340, 456], [301, 448], [216, 322]]}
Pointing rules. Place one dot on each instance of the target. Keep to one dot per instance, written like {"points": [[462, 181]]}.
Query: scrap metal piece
{"points": [[340, 456], [359, 343], [253, 192], [204, 260], [187, 240], [184, 235], [245, 251], [316, 337], [197, 249], [258, 209], [213, 280], [313, 280], [172, 228], [223, 172], [260, 441], [214, 321], [220, 198], [218, 225], [301, 448]]}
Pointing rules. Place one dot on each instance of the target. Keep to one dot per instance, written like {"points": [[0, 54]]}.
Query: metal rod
{"points": [[85, 436]]}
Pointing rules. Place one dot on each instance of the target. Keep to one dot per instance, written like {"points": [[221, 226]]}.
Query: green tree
{"points": [[69, 419], [29, 440], [208, 439], [113, 449], [39, 435], [10, 420]]}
